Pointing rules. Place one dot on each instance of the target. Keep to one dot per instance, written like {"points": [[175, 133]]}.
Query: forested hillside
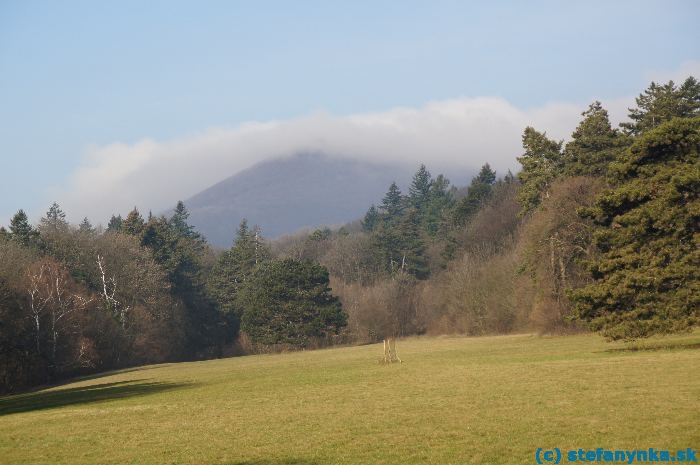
{"points": [[601, 232]]}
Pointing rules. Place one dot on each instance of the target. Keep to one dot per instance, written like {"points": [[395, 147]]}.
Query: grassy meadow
{"points": [[488, 400]]}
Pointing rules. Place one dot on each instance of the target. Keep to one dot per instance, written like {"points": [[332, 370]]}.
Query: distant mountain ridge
{"points": [[287, 194]]}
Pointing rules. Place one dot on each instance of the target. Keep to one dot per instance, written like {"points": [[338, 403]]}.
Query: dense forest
{"points": [[599, 233]]}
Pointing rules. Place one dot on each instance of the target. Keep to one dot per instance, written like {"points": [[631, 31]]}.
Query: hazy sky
{"points": [[107, 105]]}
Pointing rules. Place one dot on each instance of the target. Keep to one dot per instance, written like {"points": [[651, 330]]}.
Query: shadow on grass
{"points": [[656, 347], [288, 461], [41, 400], [118, 371]]}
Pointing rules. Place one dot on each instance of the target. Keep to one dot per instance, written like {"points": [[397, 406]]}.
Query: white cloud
{"points": [[686, 69], [457, 133]]}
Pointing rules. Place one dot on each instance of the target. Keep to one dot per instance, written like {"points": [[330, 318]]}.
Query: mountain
{"points": [[285, 195]]}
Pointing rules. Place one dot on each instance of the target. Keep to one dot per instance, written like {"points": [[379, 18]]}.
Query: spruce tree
{"points": [[647, 278], [55, 219], [21, 230], [412, 257], [371, 219], [85, 226], [419, 190], [400, 247], [392, 204], [478, 192], [179, 221], [115, 224], [233, 268], [440, 203]]}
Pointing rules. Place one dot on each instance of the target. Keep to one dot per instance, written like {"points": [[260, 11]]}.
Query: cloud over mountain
{"points": [[450, 134]]}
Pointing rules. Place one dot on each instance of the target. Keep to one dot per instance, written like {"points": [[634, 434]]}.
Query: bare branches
{"points": [[109, 289]]}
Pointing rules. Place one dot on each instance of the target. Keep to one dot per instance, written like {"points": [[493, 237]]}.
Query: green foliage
{"points": [[289, 302], [594, 145], [86, 227], [439, 205], [661, 103], [55, 219], [392, 204], [419, 190], [234, 267], [322, 234], [23, 232], [178, 221], [647, 279], [479, 191], [115, 224], [134, 223], [371, 219], [542, 163], [181, 253]]}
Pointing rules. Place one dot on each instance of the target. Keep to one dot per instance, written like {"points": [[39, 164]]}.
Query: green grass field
{"points": [[483, 400]]}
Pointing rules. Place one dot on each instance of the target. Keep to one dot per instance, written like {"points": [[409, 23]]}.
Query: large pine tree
{"points": [[594, 145], [289, 302], [647, 278], [660, 103]]}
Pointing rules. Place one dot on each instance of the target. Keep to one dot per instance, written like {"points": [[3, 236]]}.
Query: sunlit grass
{"points": [[452, 401]]}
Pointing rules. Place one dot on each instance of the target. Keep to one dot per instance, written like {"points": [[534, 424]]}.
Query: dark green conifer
{"points": [[647, 278]]}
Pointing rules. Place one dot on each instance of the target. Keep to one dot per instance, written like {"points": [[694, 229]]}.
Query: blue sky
{"points": [[79, 77]]}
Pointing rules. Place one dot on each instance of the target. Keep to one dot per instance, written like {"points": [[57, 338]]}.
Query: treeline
{"points": [[76, 299], [601, 232]]}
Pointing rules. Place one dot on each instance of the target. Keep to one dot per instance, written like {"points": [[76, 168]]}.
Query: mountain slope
{"points": [[288, 194]]}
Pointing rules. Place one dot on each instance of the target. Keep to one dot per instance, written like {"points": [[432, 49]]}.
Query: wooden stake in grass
{"points": [[390, 355]]}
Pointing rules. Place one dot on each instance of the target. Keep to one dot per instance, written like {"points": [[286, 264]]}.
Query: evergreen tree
{"points": [[542, 163], [478, 192], [419, 190], [400, 248], [183, 257], [440, 202], [233, 268], [661, 103], [594, 144], [55, 219], [289, 302], [647, 279], [85, 226], [320, 235], [115, 224], [412, 253], [21, 230], [392, 204], [371, 219], [179, 221], [134, 223], [486, 175]]}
